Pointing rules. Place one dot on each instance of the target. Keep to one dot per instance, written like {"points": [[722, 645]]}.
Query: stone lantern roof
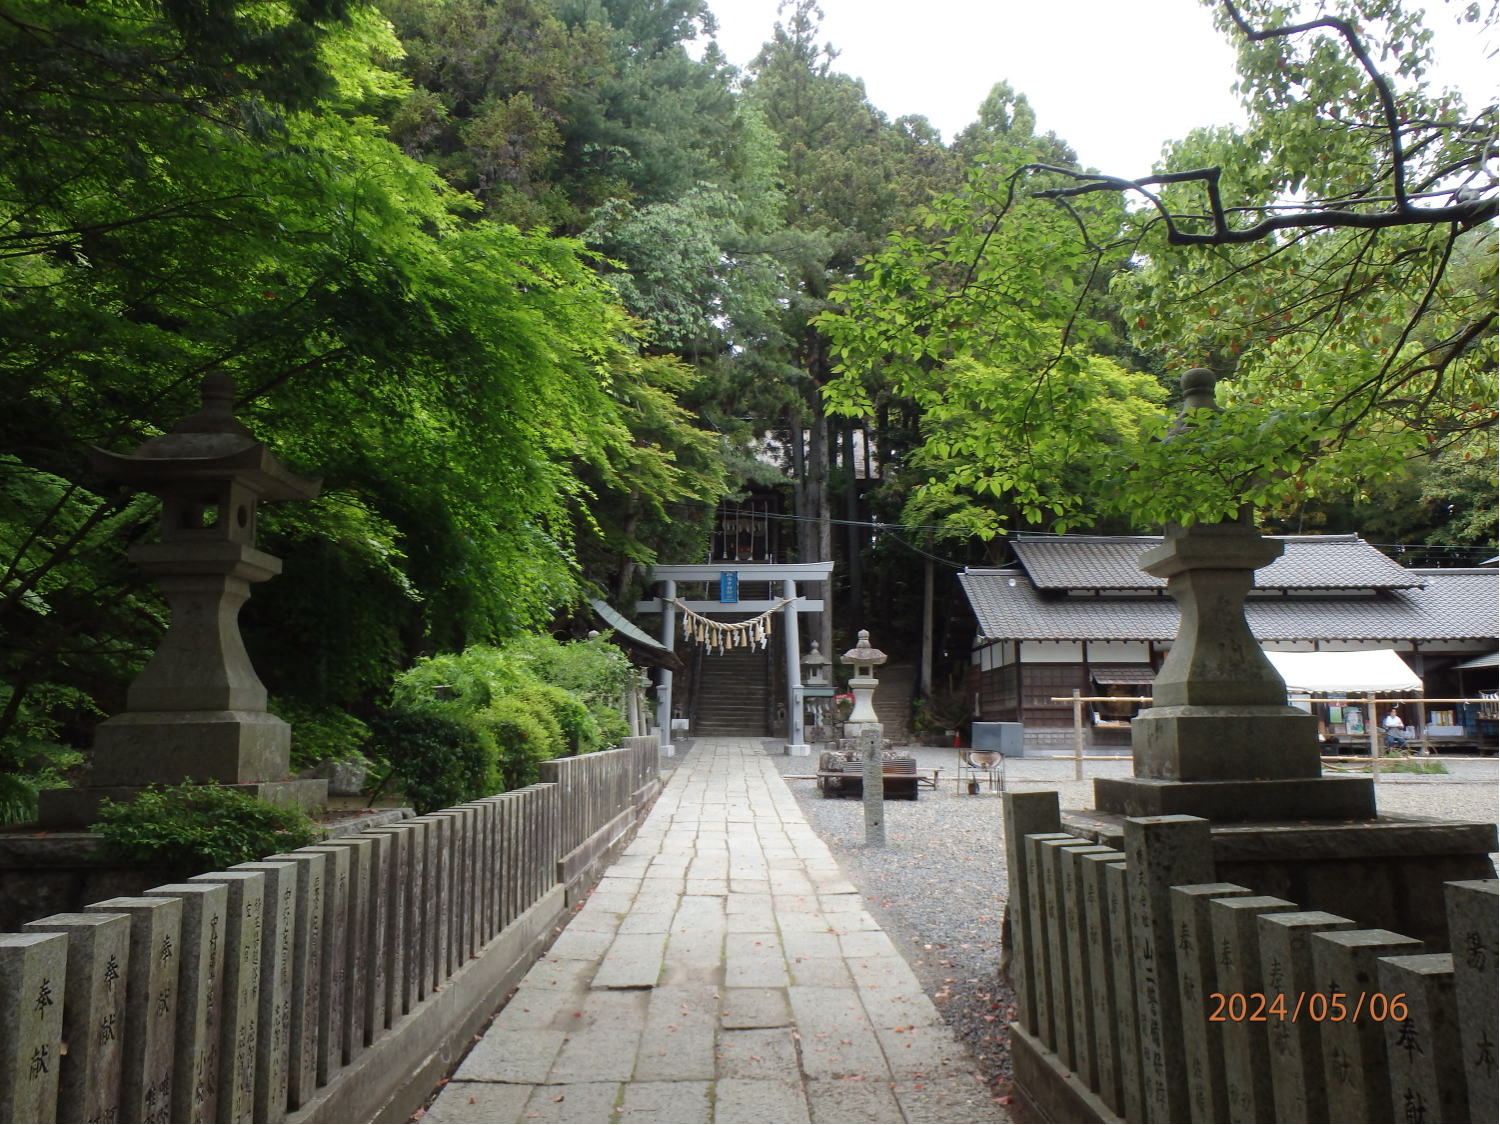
{"points": [[209, 444], [863, 652]]}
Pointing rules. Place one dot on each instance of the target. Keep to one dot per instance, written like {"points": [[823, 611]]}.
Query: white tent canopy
{"points": [[1372, 670]]}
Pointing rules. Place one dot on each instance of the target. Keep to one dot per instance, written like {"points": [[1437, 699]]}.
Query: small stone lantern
{"points": [[817, 666], [197, 711], [863, 683]]}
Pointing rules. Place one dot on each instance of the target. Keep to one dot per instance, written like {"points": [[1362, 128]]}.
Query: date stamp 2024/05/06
{"points": [[1335, 1007]]}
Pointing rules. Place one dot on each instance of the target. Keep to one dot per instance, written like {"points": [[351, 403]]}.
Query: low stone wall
{"points": [[1147, 990], [333, 983]]}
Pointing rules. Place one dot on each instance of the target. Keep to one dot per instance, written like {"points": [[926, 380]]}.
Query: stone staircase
{"points": [[731, 691], [893, 699]]}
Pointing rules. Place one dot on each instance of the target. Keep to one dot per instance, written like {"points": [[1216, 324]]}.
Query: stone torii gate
{"points": [[788, 575]]}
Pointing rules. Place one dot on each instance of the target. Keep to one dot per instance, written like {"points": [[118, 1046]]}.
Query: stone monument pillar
{"points": [[197, 711], [1220, 740]]}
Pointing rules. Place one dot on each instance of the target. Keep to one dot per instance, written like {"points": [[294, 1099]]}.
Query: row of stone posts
{"points": [[234, 995], [1172, 996]]}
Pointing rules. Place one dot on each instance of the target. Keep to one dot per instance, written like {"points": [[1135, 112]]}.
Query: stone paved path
{"points": [[723, 970]]}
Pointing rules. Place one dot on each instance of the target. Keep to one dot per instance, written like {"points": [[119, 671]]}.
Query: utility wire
{"points": [[893, 528]]}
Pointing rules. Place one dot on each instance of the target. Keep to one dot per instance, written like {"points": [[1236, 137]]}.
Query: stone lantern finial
{"points": [[1198, 390]]}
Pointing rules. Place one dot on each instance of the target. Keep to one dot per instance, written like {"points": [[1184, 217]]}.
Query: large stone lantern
{"points": [[197, 711], [1219, 739], [865, 658]]}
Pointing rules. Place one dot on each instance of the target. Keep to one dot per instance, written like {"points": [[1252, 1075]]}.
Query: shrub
{"points": [[193, 828], [522, 739], [322, 734], [577, 727], [438, 760]]}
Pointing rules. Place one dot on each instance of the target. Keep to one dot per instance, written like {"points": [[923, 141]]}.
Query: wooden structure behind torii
{"points": [[788, 575]]}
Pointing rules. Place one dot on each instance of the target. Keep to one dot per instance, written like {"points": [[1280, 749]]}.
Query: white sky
{"points": [[1116, 79]]}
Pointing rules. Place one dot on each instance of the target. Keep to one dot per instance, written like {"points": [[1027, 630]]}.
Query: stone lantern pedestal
{"points": [[197, 711]]}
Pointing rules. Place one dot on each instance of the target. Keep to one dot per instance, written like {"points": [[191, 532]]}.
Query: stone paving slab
{"points": [[723, 970]]}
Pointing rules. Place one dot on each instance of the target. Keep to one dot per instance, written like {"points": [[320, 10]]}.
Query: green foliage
{"points": [[321, 733], [439, 760], [185, 190], [193, 828], [577, 731], [996, 333], [1344, 350], [518, 704], [525, 735]]}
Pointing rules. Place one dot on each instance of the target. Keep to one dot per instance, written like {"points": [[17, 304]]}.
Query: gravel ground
{"points": [[938, 887]]}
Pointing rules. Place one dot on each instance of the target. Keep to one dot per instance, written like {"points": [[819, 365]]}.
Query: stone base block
{"points": [[1047, 1089], [78, 808], [1384, 872], [1197, 743], [798, 749], [167, 747], [1317, 798]]}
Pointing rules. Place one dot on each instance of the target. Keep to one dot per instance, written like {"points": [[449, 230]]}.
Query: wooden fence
{"points": [[330, 983], [1161, 995]]}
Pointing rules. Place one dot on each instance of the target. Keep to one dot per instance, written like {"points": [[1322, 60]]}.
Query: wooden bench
{"points": [[842, 776]]}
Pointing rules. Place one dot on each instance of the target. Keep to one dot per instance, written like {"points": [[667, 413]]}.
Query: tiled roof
{"points": [[1310, 562], [1453, 605]]}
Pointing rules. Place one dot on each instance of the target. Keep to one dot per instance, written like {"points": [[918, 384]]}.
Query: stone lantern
{"points": [[197, 711], [817, 666], [863, 683], [1219, 740]]}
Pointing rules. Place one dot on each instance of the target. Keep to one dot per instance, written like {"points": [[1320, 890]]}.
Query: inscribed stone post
{"points": [[365, 944], [351, 939], [1049, 854], [1247, 1051], [412, 866], [1354, 1063], [1424, 1049], [1163, 851], [1473, 922], [377, 930], [1202, 1041], [505, 856], [468, 820], [33, 982], [484, 868], [333, 981], [1082, 983], [1296, 1040], [150, 1061], [273, 1051], [440, 894], [1127, 1000], [88, 1075], [1024, 814], [1049, 1018], [200, 992], [461, 935], [873, 787], [1100, 930], [239, 1020], [479, 837], [307, 973], [492, 865], [397, 894]]}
